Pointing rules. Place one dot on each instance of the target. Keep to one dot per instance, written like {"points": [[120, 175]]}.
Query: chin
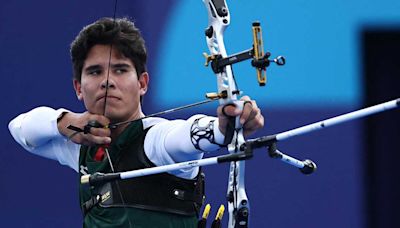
{"points": [[115, 117]]}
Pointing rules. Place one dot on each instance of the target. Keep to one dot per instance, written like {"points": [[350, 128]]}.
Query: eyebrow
{"points": [[92, 68], [120, 65], [113, 66]]}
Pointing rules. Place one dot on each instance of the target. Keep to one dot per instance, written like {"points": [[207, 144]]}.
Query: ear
{"points": [[77, 87], [143, 82]]}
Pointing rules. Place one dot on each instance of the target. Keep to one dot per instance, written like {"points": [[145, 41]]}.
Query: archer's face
{"points": [[124, 87]]}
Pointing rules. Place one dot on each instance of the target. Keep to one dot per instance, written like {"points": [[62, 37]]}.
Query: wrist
{"points": [[63, 120]]}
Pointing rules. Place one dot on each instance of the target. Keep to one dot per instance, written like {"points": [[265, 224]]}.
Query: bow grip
{"points": [[233, 121]]}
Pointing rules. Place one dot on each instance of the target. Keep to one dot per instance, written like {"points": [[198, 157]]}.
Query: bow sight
{"points": [[259, 60]]}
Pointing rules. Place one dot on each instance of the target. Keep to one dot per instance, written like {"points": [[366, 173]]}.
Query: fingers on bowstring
{"points": [[97, 125], [102, 132], [100, 119], [95, 131], [91, 140]]}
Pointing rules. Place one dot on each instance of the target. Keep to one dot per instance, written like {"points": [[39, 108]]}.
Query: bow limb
{"points": [[218, 20]]}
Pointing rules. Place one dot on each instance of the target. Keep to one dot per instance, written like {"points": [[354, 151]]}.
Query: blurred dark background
{"points": [[340, 57]]}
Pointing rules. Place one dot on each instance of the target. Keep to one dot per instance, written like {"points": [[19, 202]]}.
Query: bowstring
{"points": [[104, 114]]}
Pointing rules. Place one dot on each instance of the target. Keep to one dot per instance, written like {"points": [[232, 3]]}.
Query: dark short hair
{"points": [[121, 33]]}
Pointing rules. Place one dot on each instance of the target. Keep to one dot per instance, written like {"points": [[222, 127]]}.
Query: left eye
{"points": [[120, 71]]}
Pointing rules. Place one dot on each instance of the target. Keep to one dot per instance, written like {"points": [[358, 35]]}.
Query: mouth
{"points": [[108, 97]]}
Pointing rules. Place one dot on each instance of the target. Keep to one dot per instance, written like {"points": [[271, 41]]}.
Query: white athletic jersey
{"points": [[167, 142]]}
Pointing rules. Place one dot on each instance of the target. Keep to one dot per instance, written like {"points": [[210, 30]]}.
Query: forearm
{"points": [[170, 142], [175, 141], [190, 138]]}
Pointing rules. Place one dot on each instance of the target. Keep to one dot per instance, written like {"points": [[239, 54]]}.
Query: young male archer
{"points": [[110, 77]]}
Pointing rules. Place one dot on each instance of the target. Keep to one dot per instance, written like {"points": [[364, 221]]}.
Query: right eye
{"points": [[94, 72]]}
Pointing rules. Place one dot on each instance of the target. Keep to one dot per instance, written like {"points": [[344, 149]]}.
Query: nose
{"points": [[107, 83]]}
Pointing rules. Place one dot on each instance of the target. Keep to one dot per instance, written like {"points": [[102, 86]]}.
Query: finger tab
{"points": [[90, 124]]}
